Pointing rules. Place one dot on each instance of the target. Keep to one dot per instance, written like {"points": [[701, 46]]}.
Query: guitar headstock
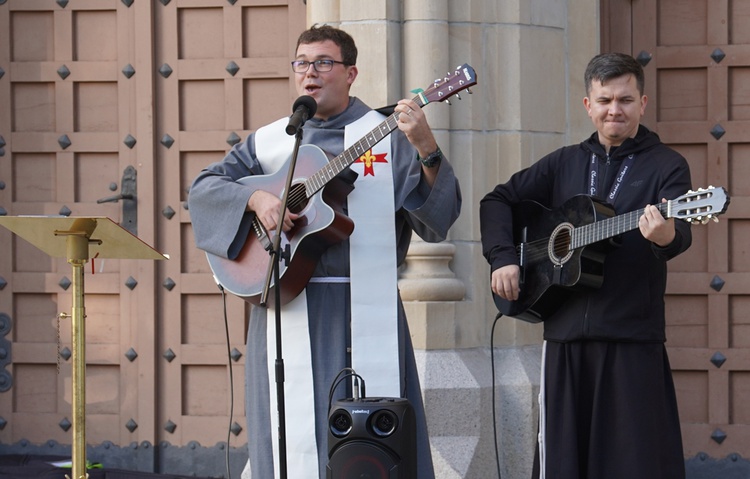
{"points": [[462, 78], [700, 206]]}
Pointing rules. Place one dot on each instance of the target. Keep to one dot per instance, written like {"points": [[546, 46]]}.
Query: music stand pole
{"points": [[78, 255], [113, 241], [276, 255]]}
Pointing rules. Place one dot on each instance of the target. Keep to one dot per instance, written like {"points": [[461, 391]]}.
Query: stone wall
{"points": [[529, 56]]}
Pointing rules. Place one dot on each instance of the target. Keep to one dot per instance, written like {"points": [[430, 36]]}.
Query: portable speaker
{"points": [[373, 438]]}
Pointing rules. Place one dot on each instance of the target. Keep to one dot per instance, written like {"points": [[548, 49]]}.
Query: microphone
{"points": [[304, 108]]}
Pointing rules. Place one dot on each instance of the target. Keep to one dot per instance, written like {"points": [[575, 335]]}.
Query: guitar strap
{"points": [[625, 167], [373, 285]]}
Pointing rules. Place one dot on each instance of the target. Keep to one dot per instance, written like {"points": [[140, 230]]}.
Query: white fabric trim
{"points": [[301, 447], [542, 415], [373, 267], [330, 279], [277, 146]]}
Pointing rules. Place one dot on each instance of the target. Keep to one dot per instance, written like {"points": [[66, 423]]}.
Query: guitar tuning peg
{"points": [[448, 102], [458, 96], [468, 90], [715, 219]]}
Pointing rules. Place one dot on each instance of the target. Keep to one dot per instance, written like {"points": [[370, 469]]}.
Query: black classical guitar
{"points": [[564, 248], [317, 195]]}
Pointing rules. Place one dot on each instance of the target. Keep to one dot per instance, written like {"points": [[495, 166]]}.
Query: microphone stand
{"points": [[276, 255]]}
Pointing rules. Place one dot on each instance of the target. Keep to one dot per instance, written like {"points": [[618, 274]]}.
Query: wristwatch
{"points": [[432, 159]]}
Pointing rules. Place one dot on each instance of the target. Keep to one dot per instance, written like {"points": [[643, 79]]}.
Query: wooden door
{"points": [[697, 62], [71, 127], [223, 71], [94, 90]]}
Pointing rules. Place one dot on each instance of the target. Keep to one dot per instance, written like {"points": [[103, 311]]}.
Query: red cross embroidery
{"points": [[369, 159]]}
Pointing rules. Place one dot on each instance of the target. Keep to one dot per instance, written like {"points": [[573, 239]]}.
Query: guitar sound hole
{"points": [[559, 246]]}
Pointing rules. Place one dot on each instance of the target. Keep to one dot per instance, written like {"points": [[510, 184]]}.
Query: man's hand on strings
{"points": [[267, 207]]}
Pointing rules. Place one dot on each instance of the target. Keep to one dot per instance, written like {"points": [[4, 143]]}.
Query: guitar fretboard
{"points": [[601, 230], [319, 179]]}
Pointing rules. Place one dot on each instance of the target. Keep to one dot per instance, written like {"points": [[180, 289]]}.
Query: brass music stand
{"points": [[73, 238]]}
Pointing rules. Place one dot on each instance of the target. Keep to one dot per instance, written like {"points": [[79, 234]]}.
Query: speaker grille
{"points": [[358, 459], [373, 438], [340, 423], [383, 423]]}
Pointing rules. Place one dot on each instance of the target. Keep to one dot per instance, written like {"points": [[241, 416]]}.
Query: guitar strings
{"points": [[301, 192], [299, 195], [590, 233]]}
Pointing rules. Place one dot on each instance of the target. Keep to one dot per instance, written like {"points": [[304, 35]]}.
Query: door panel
{"points": [[697, 55], [94, 87], [229, 73]]}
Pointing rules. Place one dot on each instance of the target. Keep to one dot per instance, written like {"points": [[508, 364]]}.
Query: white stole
{"points": [[373, 266], [374, 290]]}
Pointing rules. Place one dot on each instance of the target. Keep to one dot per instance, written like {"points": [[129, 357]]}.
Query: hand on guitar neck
{"points": [[654, 227], [413, 123]]}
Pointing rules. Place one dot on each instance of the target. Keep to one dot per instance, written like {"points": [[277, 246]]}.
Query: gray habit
{"points": [[220, 224]]}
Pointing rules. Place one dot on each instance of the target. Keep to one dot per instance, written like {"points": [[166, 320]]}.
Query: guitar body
{"points": [[322, 224], [550, 268]]}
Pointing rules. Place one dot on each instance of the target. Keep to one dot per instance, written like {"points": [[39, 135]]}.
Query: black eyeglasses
{"points": [[301, 66]]}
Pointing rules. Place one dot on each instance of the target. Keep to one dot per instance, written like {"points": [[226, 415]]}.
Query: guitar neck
{"points": [[319, 179], [610, 227]]}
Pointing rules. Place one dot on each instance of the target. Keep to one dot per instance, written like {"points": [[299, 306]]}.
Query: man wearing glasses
{"points": [[351, 314]]}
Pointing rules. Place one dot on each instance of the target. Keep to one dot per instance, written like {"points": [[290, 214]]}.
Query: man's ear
{"points": [[352, 75]]}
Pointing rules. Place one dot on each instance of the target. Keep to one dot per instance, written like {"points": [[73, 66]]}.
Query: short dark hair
{"points": [[321, 33], [607, 66]]}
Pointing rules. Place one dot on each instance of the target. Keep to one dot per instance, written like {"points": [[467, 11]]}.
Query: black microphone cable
{"points": [[343, 374], [231, 379], [494, 412]]}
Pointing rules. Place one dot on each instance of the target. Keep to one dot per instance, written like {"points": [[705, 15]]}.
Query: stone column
{"points": [[427, 284], [428, 288]]}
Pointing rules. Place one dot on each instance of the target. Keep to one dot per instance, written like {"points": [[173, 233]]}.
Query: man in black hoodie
{"points": [[609, 407]]}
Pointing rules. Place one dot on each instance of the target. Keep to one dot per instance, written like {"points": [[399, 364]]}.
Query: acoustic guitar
{"points": [[565, 248], [317, 194]]}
